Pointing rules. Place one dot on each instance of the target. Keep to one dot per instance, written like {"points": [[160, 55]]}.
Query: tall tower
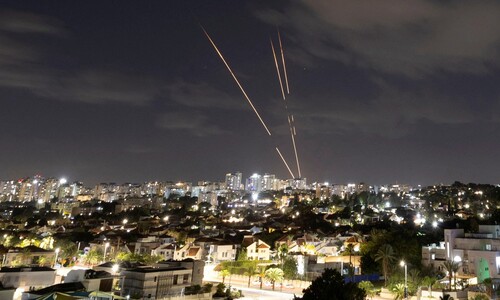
{"points": [[269, 182], [254, 183], [233, 181]]}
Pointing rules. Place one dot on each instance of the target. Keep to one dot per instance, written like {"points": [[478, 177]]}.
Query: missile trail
{"points": [[291, 121], [284, 161], [284, 65], [236, 80], [277, 69], [292, 133]]}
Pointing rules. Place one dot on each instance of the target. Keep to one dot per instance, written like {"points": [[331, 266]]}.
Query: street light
{"points": [[105, 249], [57, 254], [403, 264], [115, 269]]}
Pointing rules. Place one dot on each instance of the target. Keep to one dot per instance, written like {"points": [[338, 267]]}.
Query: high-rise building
{"points": [[233, 181], [49, 189], [254, 183], [298, 183], [269, 182]]}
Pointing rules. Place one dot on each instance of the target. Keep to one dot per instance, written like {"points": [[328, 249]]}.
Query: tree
{"points": [[224, 273], [480, 297], [68, 249], [274, 275], [451, 268], [262, 273], [289, 268], [43, 261], [25, 256], [369, 288], [350, 251], [150, 259], [93, 257], [331, 286], [242, 254], [414, 279], [429, 282], [250, 269], [488, 285], [282, 252], [386, 256], [399, 291]]}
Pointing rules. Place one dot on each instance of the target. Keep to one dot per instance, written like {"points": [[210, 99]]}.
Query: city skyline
{"points": [[399, 92]]}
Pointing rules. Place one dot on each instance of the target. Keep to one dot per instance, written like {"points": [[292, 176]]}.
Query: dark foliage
{"points": [[331, 286]]}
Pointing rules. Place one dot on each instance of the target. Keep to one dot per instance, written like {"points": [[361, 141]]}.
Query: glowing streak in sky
{"points": [[277, 69], [292, 133], [291, 122], [291, 173], [236, 80], [284, 65]]}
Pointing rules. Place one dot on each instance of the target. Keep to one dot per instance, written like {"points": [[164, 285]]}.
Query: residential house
{"points": [[477, 253], [189, 251], [156, 283], [29, 256], [27, 279], [256, 248], [166, 251]]}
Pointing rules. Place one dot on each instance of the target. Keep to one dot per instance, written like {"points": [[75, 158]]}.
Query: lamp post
{"points": [[57, 254], [105, 249], [403, 264]]}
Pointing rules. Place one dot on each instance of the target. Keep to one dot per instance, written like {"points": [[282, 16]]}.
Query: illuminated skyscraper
{"points": [[269, 182], [254, 183], [233, 181]]}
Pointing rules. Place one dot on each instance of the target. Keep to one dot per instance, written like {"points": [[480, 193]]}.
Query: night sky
{"points": [[129, 91]]}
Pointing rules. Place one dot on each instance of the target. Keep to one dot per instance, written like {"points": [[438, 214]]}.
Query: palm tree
{"points": [[282, 252], [93, 257], [250, 269], [369, 288], [452, 268], [43, 261], [262, 273], [350, 250], [429, 282], [224, 273], [414, 279], [399, 291], [274, 275], [386, 255]]}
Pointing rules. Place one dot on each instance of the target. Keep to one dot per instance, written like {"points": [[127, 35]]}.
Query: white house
{"points": [[477, 253], [166, 251], [256, 248]]}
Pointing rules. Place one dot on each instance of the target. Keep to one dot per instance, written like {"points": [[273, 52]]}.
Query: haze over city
{"points": [[131, 91]]}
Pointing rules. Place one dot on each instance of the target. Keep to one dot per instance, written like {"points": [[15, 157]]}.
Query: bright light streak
{"points": [[277, 69], [284, 65], [291, 173], [236, 80], [292, 133]]}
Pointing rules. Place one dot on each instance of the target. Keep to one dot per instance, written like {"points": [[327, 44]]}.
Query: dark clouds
{"points": [[377, 89], [413, 38], [416, 44]]}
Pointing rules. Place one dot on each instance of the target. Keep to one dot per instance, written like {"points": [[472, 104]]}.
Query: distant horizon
{"points": [[71, 180]]}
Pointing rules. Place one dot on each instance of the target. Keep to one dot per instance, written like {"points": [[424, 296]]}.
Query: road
{"points": [[253, 292]]}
